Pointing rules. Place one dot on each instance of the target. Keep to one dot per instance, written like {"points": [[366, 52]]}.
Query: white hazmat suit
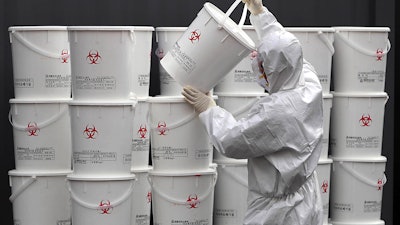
{"points": [[281, 135]]}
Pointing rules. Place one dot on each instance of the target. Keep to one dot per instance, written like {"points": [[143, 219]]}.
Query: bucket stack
{"points": [[359, 67], [39, 115]]}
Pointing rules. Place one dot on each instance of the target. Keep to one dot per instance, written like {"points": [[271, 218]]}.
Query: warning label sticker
{"points": [[185, 61]]}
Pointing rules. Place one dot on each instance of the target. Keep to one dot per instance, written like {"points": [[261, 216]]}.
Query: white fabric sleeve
{"points": [[265, 23]]}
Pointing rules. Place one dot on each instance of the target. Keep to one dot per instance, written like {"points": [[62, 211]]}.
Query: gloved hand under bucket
{"points": [[200, 101], [255, 6]]}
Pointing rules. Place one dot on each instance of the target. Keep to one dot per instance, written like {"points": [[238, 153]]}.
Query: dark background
{"points": [[180, 13]]}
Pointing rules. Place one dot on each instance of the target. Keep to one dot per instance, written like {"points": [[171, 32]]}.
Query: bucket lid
{"points": [[170, 99], [242, 95], [37, 28], [362, 29], [110, 28], [103, 103], [229, 25], [39, 101], [236, 162], [327, 95], [100, 177], [374, 222], [358, 159], [310, 29], [173, 29], [39, 173], [141, 170], [183, 173], [360, 94], [325, 161]]}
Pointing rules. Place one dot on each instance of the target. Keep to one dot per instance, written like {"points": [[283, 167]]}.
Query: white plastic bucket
{"points": [[141, 135], [183, 198], [241, 78], [324, 181], [357, 124], [359, 62], [327, 106], [42, 134], [230, 196], [179, 141], [166, 38], [317, 45], [41, 62], [40, 197], [101, 200], [143, 36], [102, 137], [211, 46], [356, 189], [239, 104], [141, 198], [102, 62], [374, 222]]}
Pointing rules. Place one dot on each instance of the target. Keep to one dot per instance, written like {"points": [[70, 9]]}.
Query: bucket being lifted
{"points": [[211, 46]]}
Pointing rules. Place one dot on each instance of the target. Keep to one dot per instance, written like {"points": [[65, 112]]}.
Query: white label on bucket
{"points": [[187, 222], [202, 153], [371, 77], [95, 82], [187, 63], [227, 213], [24, 82], [344, 207], [140, 145], [142, 220], [64, 222], [143, 80], [362, 142], [94, 157], [169, 153], [323, 78], [243, 76], [372, 206], [57, 81], [38, 153]]}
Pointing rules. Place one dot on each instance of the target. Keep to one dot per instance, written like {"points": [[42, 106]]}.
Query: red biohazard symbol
{"points": [[253, 55], [90, 132], [160, 53], [105, 207], [93, 57], [32, 129], [194, 36], [64, 56], [142, 131], [380, 184], [148, 196], [379, 54], [162, 128], [192, 201], [324, 186], [365, 121]]}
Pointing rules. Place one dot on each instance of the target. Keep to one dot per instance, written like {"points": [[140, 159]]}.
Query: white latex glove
{"points": [[254, 6], [200, 101]]}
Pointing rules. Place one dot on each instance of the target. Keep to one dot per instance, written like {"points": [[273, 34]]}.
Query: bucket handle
{"points": [[179, 201], [245, 107], [117, 202], [33, 47], [230, 10], [362, 50], [360, 177], [326, 41], [40, 125], [22, 188], [238, 179]]}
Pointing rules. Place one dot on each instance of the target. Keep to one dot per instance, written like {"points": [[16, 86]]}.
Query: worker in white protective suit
{"points": [[281, 135]]}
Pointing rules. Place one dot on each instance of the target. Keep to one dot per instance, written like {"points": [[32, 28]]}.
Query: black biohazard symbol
{"points": [[32, 129], [105, 207], [90, 132], [324, 186], [64, 56], [142, 131], [379, 54], [192, 201], [93, 57], [194, 36], [162, 128], [365, 120]]}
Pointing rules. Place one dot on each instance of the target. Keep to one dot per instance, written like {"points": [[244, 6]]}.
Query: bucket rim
{"points": [[110, 28], [170, 99], [310, 29], [327, 95], [39, 173], [238, 34], [102, 103], [377, 222], [166, 29], [39, 101], [237, 162], [141, 170], [359, 159], [360, 94], [164, 173], [361, 29], [242, 94], [325, 161], [100, 177], [37, 28]]}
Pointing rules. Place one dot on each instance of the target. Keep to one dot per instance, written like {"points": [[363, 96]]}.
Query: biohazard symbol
{"points": [[365, 121], [253, 55], [64, 56], [379, 54], [324, 186], [148, 196], [380, 184], [105, 207], [93, 57], [192, 201], [90, 132], [142, 131], [162, 128], [194, 36], [32, 129]]}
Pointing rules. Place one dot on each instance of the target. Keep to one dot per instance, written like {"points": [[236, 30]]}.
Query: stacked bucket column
{"points": [[359, 68], [110, 80], [40, 119]]}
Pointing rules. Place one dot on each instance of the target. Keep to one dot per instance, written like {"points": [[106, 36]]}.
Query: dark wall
{"points": [[170, 13]]}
